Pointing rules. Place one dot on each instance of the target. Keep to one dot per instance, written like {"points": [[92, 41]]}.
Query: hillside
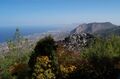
{"points": [[93, 27], [109, 32]]}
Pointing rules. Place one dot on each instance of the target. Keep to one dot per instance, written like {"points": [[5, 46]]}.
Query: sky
{"points": [[49, 12]]}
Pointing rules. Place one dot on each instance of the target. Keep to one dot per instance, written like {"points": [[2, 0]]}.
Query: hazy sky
{"points": [[47, 12]]}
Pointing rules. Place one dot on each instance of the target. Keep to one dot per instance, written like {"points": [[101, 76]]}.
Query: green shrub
{"points": [[43, 68], [19, 52], [45, 47], [100, 59]]}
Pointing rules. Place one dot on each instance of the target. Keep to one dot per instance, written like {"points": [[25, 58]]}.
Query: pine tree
{"points": [[17, 36]]}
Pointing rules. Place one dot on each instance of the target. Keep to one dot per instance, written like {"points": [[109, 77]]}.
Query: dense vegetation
{"points": [[14, 60], [49, 60]]}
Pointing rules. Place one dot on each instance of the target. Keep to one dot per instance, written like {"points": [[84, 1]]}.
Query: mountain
{"points": [[93, 27], [108, 32]]}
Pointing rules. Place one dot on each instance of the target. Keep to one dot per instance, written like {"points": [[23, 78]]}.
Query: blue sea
{"points": [[7, 33]]}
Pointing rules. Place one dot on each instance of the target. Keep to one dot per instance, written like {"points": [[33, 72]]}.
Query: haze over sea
{"points": [[7, 33]]}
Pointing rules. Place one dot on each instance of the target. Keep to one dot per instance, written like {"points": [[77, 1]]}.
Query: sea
{"points": [[7, 33]]}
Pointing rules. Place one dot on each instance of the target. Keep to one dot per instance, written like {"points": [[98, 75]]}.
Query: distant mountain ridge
{"points": [[93, 27]]}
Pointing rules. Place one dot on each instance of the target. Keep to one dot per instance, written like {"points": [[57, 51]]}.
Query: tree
{"points": [[17, 36], [45, 48]]}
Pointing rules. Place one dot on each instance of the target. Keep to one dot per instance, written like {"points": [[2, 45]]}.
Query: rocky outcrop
{"points": [[76, 42]]}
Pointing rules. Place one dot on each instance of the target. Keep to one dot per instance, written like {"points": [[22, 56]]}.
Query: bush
{"points": [[45, 48], [99, 60], [43, 68], [19, 51]]}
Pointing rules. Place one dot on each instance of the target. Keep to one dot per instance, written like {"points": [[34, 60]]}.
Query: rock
{"points": [[77, 41]]}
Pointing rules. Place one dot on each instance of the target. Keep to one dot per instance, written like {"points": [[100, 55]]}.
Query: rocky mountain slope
{"points": [[93, 27], [76, 42]]}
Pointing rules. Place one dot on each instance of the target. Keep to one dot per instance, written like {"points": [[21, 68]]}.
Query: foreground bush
{"points": [[42, 68], [100, 60], [43, 61]]}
